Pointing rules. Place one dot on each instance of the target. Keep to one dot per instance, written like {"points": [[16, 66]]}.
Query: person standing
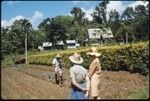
{"points": [[57, 65], [94, 72], [80, 82]]}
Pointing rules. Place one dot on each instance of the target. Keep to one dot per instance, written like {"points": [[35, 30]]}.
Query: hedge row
{"points": [[130, 57]]}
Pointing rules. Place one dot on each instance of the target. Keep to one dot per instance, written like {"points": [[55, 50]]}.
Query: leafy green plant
{"points": [[130, 57]]}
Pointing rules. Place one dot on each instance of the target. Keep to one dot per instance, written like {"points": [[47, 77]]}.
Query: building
{"points": [[98, 36], [59, 45], [96, 33], [72, 44]]}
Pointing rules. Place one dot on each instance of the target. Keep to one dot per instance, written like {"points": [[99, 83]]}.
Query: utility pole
{"points": [[126, 37], [126, 34], [26, 48]]}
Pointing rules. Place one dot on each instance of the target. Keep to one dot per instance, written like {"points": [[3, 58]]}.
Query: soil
{"points": [[37, 82]]}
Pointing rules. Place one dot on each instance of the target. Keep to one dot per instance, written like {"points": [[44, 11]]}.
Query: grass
{"points": [[140, 94]]}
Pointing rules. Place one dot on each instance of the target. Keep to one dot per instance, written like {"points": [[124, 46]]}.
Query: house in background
{"points": [[99, 36], [59, 45]]}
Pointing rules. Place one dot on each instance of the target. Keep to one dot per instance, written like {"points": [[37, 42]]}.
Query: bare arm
{"points": [[77, 85], [87, 82], [87, 86]]}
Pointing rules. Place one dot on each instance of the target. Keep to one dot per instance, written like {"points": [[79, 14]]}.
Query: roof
{"points": [[70, 41], [96, 33]]}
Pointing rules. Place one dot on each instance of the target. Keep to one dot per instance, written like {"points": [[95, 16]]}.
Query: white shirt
{"points": [[56, 63]]}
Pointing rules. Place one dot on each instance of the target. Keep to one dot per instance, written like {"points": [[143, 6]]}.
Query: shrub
{"points": [[129, 57], [19, 60]]}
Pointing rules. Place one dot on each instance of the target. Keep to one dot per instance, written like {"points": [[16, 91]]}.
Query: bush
{"points": [[19, 60], [129, 57]]}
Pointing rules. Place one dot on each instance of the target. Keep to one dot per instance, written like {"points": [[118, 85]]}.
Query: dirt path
{"points": [[28, 82]]}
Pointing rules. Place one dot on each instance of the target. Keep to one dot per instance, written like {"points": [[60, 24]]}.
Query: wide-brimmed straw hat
{"points": [[93, 51], [58, 56], [76, 58]]}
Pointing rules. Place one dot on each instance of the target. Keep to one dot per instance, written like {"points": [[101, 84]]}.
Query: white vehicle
{"points": [[72, 44]]}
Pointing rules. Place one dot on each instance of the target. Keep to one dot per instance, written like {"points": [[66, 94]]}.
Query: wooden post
{"points": [[26, 48], [126, 37]]}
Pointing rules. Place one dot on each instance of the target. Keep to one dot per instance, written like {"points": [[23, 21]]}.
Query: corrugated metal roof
{"points": [[96, 33]]}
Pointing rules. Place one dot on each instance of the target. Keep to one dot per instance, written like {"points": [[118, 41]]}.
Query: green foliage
{"points": [[140, 94], [133, 58], [133, 25]]}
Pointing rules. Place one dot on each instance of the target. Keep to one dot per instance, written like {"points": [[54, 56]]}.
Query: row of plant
{"points": [[129, 57]]}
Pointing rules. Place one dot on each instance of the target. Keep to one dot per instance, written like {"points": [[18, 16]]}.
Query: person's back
{"points": [[79, 72], [79, 78]]}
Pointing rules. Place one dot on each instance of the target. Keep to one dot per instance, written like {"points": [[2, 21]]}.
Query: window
{"points": [[71, 44], [94, 34]]}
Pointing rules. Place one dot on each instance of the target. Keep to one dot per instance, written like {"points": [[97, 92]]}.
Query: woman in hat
{"points": [[58, 69], [80, 82], [94, 72]]}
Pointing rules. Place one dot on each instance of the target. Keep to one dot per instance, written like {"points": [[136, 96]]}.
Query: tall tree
{"points": [[78, 14], [114, 15], [140, 11], [128, 13], [57, 28], [19, 30], [100, 12]]}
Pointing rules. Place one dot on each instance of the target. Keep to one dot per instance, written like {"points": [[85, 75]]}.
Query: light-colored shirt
{"points": [[78, 72], [95, 67], [56, 63]]}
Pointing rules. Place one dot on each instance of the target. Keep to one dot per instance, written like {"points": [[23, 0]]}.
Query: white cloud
{"points": [[35, 19], [69, 14], [138, 3], [88, 13], [117, 5], [5, 23]]}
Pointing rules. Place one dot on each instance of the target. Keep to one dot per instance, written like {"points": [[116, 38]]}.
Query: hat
{"points": [[76, 58], [93, 51], [58, 56]]}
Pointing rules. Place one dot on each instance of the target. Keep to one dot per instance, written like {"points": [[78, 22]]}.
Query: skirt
{"points": [[77, 93], [95, 80]]}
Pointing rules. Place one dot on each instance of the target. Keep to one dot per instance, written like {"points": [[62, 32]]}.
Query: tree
{"points": [[114, 15], [22, 28], [78, 14], [140, 11], [6, 41], [99, 14], [128, 13], [56, 29]]}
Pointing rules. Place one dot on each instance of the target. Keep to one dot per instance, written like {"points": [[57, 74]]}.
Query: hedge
{"points": [[129, 57]]}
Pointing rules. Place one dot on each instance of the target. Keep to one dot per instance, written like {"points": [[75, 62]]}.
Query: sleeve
{"points": [[92, 68], [72, 75], [53, 62]]}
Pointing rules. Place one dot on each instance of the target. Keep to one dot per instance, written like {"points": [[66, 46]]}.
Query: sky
{"points": [[37, 11]]}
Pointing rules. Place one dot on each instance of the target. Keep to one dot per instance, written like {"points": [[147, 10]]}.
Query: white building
{"points": [[70, 44], [47, 44], [96, 33]]}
